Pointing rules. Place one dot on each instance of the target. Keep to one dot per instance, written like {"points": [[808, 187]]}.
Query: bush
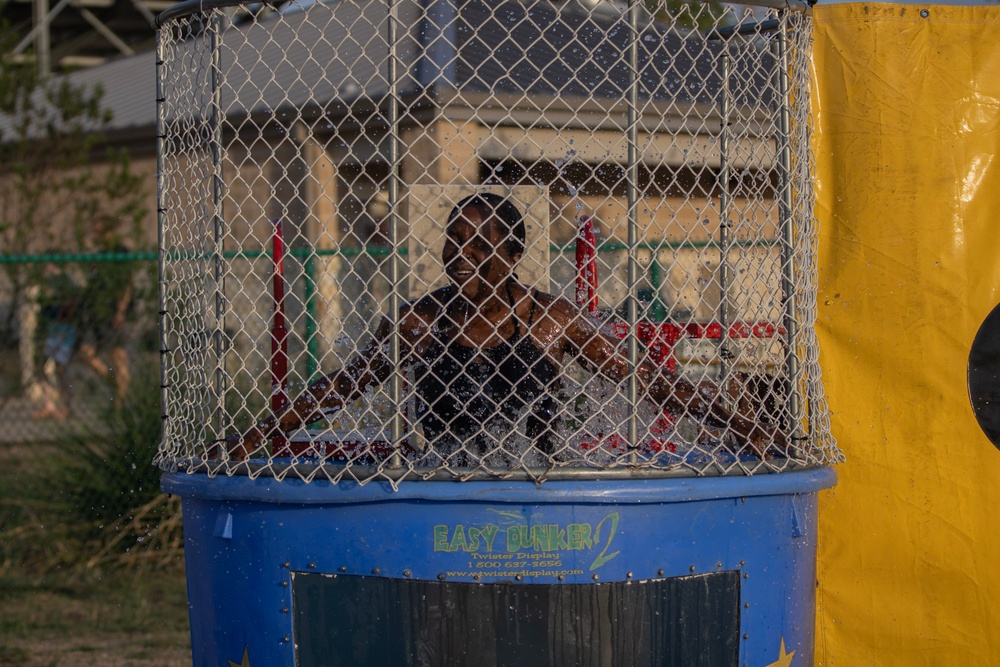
{"points": [[97, 501]]}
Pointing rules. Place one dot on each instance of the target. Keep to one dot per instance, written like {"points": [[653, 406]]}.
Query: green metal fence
{"points": [[30, 379]]}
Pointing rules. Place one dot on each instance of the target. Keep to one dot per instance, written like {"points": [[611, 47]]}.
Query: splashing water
{"points": [[591, 429], [595, 424]]}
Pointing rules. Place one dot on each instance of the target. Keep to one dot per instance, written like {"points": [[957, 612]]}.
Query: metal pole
{"points": [[309, 297], [787, 230], [43, 44], [633, 227], [41, 25], [724, 212], [396, 381], [106, 32], [160, 240], [658, 311], [218, 226]]}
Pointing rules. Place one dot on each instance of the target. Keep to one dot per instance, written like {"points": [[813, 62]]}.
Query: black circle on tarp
{"points": [[984, 376]]}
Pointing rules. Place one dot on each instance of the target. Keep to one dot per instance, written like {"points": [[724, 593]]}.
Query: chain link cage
{"points": [[632, 293]]}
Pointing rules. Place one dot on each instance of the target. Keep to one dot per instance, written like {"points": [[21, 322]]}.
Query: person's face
{"points": [[475, 255]]}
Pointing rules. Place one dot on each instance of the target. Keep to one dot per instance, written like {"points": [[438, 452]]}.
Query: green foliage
{"points": [[108, 475], [57, 192], [692, 14], [93, 500]]}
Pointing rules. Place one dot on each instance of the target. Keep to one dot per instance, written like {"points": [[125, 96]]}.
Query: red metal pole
{"points": [[586, 265], [279, 330]]}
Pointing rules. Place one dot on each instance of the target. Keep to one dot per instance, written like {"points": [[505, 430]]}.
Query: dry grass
{"points": [[91, 561], [134, 617], [75, 594], [117, 600]]}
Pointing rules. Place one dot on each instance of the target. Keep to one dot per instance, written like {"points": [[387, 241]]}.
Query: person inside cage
{"points": [[486, 354]]}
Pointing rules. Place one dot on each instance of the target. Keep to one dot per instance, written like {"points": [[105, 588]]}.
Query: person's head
{"points": [[485, 238]]}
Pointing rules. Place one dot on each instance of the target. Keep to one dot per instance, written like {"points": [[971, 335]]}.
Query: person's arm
{"points": [[705, 400], [602, 354], [329, 393]]}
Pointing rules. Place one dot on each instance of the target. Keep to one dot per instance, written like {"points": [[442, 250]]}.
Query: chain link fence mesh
{"points": [[78, 328], [659, 315]]}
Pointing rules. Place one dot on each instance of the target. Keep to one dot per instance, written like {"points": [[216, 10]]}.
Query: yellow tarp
{"points": [[908, 157]]}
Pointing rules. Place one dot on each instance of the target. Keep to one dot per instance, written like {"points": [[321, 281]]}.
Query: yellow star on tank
{"points": [[245, 662], [784, 659]]}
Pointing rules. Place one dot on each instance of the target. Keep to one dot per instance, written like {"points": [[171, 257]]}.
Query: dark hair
{"points": [[509, 216]]}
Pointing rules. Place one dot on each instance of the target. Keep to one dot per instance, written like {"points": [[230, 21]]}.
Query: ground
{"points": [[125, 619], [77, 616]]}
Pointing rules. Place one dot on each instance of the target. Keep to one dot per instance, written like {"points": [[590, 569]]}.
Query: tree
{"points": [[57, 192], [693, 14]]}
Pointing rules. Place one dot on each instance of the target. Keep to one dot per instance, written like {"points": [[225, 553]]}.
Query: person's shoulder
{"points": [[441, 296], [433, 302], [428, 307], [557, 315]]}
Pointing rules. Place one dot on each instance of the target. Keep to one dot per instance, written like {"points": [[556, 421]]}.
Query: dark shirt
{"points": [[474, 397]]}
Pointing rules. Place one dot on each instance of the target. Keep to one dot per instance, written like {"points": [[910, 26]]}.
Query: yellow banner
{"points": [[907, 140]]}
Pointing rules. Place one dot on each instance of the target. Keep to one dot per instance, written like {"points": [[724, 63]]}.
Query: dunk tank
{"points": [[309, 156]]}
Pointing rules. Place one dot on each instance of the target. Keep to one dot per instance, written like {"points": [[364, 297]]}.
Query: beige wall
{"points": [[332, 193], [53, 232]]}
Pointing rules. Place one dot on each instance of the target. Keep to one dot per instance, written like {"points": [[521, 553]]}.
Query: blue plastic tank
{"points": [[661, 571]]}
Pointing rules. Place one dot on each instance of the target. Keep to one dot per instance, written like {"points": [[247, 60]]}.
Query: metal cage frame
{"points": [[193, 118]]}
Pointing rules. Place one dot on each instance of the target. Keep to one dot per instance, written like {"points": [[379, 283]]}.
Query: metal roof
{"points": [[129, 86], [322, 57]]}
